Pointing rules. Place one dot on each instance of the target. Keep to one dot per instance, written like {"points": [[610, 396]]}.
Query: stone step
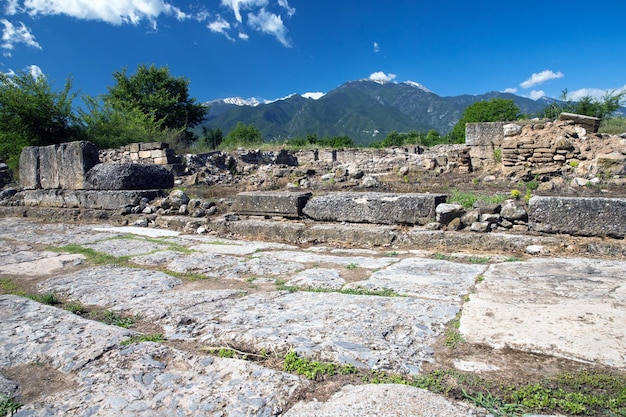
{"points": [[257, 203]]}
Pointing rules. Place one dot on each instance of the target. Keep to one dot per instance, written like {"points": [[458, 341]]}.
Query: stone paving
{"points": [[376, 310]]}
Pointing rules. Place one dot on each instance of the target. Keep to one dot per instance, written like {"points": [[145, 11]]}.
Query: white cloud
{"points": [[11, 7], [382, 77], [284, 4], [12, 35], [597, 93], [220, 25], [271, 24], [376, 47], [537, 94], [541, 77], [35, 71], [243, 36], [238, 5], [314, 96], [111, 11], [510, 90]]}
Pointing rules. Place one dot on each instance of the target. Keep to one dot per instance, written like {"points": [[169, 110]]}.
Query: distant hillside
{"points": [[365, 110]]}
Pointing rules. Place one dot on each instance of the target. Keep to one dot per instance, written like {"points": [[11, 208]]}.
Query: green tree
{"points": [[111, 126], [243, 135], [586, 105], [32, 114], [212, 138], [495, 110], [158, 94]]}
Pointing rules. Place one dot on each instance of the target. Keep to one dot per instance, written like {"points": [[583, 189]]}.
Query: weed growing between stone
{"points": [[114, 319], [352, 265], [314, 370], [385, 292], [8, 405], [452, 337], [467, 198], [156, 338], [48, 299], [93, 256]]}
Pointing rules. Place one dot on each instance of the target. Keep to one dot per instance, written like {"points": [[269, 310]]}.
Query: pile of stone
{"points": [[177, 203], [510, 215]]}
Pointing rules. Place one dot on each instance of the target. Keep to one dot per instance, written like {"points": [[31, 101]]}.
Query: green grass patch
{"points": [[312, 369], [188, 276], [352, 265], [467, 198], [76, 308], [156, 338], [613, 125], [48, 298], [113, 319], [478, 260], [8, 405], [384, 292], [452, 337], [93, 256], [9, 287]]}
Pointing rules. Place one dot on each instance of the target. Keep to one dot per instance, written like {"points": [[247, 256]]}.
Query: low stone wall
{"points": [[483, 139], [85, 199], [158, 153]]}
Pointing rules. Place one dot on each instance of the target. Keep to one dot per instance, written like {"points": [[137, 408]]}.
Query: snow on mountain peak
{"points": [[239, 101], [314, 96], [417, 85]]}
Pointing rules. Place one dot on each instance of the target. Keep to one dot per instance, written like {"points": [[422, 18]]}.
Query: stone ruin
{"points": [[129, 182]]}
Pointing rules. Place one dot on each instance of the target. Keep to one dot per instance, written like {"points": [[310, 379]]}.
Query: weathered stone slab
{"points": [[109, 285], [573, 308], [357, 330], [57, 166], [33, 332], [145, 379], [350, 234], [323, 278], [384, 400], [37, 263], [380, 208], [257, 203], [591, 124], [87, 199], [129, 177], [424, 278], [582, 216]]}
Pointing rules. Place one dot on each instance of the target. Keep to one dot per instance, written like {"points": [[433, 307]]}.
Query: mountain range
{"points": [[364, 110]]}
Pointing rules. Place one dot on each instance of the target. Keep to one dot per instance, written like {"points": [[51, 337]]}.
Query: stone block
{"points": [[373, 207], [29, 168], [129, 177], [49, 167], [578, 216], [149, 146], [484, 134], [145, 154], [590, 124], [257, 203], [448, 212], [85, 199], [133, 147], [75, 159]]}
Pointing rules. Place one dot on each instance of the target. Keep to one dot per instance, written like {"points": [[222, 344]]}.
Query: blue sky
{"points": [[272, 48]]}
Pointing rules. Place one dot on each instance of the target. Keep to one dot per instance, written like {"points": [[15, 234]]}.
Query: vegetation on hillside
{"points": [[588, 106]]}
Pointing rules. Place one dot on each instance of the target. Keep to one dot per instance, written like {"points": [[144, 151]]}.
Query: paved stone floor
{"points": [[375, 310]]}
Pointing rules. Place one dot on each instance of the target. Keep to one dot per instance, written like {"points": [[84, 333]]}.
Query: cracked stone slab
{"points": [[126, 246], [203, 263], [139, 231], [321, 278], [384, 400], [385, 333], [424, 278], [572, 308], [304, 257], [57, 234], [148, 379], [108, 285], [31, 263], [259, 266], [33, 332]]}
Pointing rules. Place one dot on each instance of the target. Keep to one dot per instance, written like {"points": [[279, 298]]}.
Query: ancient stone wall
{"points": [[158, 153]]}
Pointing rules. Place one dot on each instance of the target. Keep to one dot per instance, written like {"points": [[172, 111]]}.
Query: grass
{"points": [[452, 337], [113, 319], [156, 338], [384, 292], [613, 126], [352, 265], [48, 299], [467, 198], [8, 405], [93, 256], [312, 369]]}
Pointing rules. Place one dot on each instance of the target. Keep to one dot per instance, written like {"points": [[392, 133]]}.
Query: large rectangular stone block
{"points": [[372, 207], [85, 199], [57, 166], [582, 216], [29, 168], [257, 203]]}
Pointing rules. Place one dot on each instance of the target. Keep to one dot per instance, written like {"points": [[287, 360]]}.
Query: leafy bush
{"points": [[496, 110]]}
